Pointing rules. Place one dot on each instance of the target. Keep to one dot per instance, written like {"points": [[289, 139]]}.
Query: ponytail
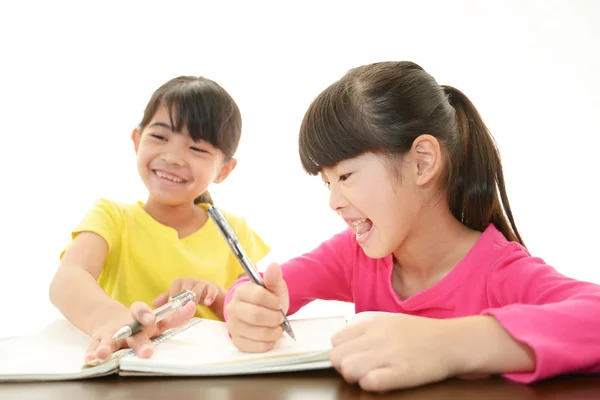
{"points": [[476, 191], [204, 198]]}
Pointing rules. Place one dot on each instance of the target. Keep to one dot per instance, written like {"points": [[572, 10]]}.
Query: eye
{"points": [[344, 177], [158, 137], [198, 150], [326, 184]]}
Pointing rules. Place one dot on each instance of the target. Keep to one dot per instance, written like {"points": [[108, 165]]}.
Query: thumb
{"points": [[273, 278]]}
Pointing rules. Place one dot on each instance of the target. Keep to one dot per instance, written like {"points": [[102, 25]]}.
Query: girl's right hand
{"points": [[253, 316], [102, 344]]}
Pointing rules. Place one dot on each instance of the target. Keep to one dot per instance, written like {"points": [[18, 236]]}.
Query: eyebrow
{"points": [[162, 125]]}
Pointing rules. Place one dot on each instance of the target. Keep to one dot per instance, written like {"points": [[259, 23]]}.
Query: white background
{"points": [[75, 78]]}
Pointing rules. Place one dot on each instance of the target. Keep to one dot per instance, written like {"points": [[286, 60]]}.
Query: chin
{"points": [[376, 252]]}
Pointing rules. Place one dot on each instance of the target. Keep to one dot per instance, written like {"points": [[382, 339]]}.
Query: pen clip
{"points": [[222, 223]]}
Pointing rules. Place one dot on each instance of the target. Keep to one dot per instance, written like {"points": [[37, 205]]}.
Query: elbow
{"points": [[54, 290]]}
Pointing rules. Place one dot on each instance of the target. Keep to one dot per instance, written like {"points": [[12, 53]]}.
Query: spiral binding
{"points": [[175, 331]]}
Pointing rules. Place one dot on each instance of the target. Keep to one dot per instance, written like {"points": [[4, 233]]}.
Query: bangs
{"points": [[199, 109], [333, 129], [201, 106]]}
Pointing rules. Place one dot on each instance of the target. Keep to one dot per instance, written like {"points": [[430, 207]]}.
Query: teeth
{"points": [[358, 222], [168, 177]]}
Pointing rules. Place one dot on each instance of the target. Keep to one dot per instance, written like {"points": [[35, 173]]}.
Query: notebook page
{"points": [[208, 344], [56, 352]]}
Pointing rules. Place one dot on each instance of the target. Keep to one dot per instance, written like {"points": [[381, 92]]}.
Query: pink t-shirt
{"points": [[558, 317]]}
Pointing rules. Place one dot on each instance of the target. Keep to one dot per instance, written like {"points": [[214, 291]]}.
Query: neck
{"points": [[434, 247], [176, 217]]}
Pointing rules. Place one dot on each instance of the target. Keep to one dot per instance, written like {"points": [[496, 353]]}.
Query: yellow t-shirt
{"points": [[145, 257]]}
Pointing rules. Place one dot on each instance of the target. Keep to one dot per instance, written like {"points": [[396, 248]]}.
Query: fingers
{"points": [[256, 333], [181, 284], [142, 344], [206, 293], [160, 300], [257, 295], [100, 348], [273, 278], [90, 353], [355, 365], [256, 315], [142, 312], [180, 317], [384, 379], [211, 295], [254, 321], [250, 346]]}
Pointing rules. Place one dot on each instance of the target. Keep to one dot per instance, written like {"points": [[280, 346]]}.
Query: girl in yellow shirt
{"points": [[124, 256]]}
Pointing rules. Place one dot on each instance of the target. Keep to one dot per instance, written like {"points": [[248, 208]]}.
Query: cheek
{"points": [[392, 207], [204, 172]]}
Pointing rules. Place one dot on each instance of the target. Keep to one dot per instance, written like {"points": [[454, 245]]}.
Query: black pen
{"points": [[234, 243]]}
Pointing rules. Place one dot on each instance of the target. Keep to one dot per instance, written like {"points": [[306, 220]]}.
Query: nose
{"points": [[337, 201], [173, 157]]}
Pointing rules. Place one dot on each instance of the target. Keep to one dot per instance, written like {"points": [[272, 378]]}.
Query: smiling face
{"points": [[362, 194], [382, 199], [174, 168]]}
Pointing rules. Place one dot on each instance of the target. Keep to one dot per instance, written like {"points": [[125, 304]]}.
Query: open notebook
{"points": [[199, 348]]}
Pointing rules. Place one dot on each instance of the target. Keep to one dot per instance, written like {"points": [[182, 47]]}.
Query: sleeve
{"points": [[102, 218], [555, 315], [324, 273]]}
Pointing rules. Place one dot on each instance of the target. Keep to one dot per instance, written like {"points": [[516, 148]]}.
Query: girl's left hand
{"points": [[395, 351]]}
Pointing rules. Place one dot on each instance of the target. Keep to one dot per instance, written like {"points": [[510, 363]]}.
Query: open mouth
{"points": [[168, 177], [361, 227]]}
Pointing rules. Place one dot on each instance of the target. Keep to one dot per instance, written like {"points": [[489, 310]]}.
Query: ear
{"points": [[427, 152], [226, 169], [135, 137]]}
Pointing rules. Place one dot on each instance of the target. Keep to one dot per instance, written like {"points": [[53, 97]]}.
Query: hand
{"points": [[207, 293], [254, 320], [102, 345], [394, 351]]}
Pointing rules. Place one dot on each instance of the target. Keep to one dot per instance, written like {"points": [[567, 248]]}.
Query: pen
{"points": [[234, 243], [175, 302]]}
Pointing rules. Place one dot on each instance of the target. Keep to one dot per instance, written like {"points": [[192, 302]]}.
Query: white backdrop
{"points": [[75, 78]]}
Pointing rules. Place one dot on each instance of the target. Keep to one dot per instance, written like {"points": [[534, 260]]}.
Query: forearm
{"points": [[77, 295], [480, 345]]}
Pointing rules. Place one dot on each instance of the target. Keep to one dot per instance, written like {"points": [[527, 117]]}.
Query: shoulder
{"points": [[341, 248], [103, 209], [506, 257], [109, 206]]}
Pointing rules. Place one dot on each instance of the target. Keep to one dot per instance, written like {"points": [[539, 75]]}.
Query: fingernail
{"points": [[147, 318]]}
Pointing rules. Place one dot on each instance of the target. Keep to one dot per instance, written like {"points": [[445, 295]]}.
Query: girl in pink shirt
{"points": [[415, 174]]}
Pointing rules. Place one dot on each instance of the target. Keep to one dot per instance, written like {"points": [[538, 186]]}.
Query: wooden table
{"points": [[296, 386]]}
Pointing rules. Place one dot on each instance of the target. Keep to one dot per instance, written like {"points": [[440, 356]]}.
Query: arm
{"points": [[552, 318], [324, 273], [74, 291]]}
